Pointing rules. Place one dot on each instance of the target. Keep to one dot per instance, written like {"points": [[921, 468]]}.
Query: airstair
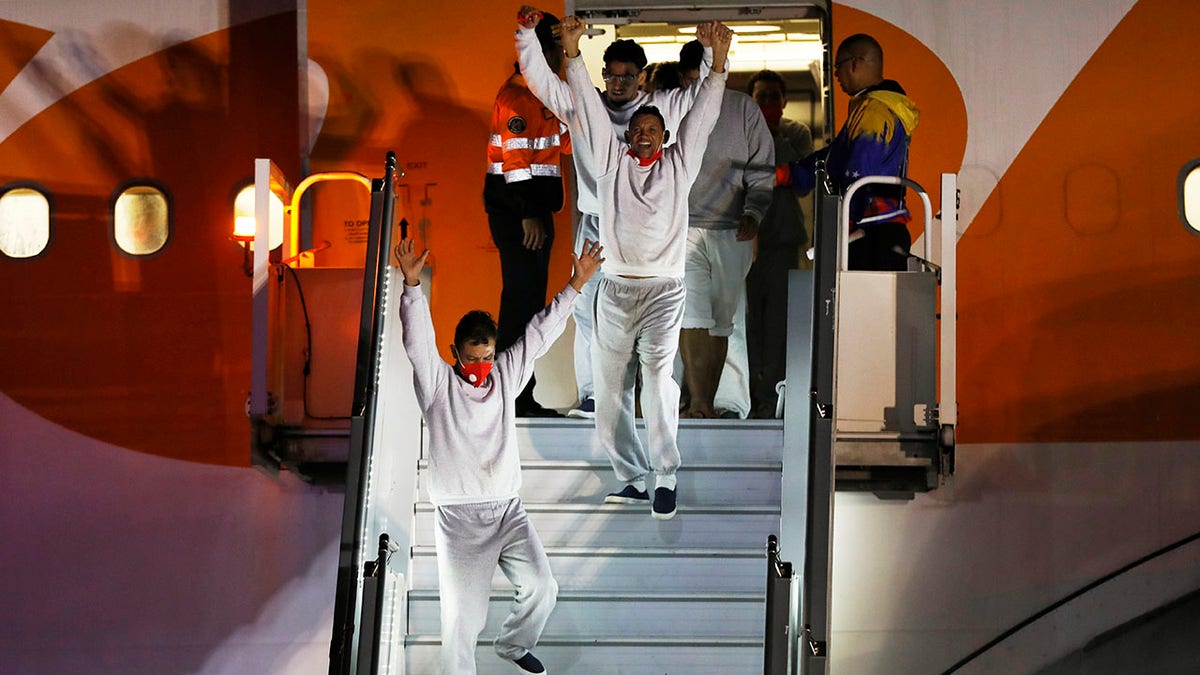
{"points": [[870, 362], [636, 595]]}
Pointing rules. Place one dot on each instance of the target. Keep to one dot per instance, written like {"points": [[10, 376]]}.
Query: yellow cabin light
{"points": [[739, 30], [244, 221]]}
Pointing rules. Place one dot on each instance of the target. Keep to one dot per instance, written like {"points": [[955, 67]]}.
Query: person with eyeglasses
{"points": [[642, 188], [873, 141], [624, 75]]}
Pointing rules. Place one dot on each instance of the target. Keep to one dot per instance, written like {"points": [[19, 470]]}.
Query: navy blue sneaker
{"points": [[664, 504], [628, 495], [529, 664], [586, 409]]}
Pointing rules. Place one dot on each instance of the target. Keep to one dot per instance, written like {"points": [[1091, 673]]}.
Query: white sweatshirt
{"points": [[556, 96], [473, 430], [643, 209]]}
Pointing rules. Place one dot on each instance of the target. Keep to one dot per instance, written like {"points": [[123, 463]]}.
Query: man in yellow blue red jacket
{"points": [[873, 142], [522, 191]]}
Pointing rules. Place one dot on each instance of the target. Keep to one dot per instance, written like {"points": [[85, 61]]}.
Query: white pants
{"points": [[733, 393], [716, 268], [637, 321], [715, 274], [589, 228], [471, 540]]}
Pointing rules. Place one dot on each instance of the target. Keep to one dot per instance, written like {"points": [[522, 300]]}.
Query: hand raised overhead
{"points": [[722, 38], [572, 28], [411, 263], [528, 17]]}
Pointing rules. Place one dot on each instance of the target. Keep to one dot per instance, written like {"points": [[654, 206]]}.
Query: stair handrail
{"points": [[342, 651], [776, 644]]}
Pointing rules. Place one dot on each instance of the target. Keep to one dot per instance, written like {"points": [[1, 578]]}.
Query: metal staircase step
{"points": [[588, 481], [629, 569], [631, 525], [704, 655], [615, 615], [699, 440]]}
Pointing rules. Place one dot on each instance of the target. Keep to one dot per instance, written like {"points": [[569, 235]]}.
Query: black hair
{"points": [[691, 55], [767, 76], [626, 51], [649, 110], [664, 76], [476, 327]]}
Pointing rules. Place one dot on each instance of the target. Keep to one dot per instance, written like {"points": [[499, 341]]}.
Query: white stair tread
{"points": [[640, 509], [638, 641], [631, 552], [616, 596]]}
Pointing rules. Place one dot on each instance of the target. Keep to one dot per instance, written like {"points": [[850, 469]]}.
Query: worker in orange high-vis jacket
{"points": [[522, 191]]}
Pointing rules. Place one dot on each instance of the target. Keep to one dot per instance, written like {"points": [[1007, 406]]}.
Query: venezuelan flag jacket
{"points": [[524, 176], [873, 142]]}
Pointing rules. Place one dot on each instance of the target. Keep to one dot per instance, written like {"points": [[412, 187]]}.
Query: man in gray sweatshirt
{"points": [[474, 467], [725, 207], [642, 189]]}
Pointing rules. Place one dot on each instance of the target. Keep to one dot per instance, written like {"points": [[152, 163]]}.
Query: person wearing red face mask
{"points": [[474, 469], [780, 238]]}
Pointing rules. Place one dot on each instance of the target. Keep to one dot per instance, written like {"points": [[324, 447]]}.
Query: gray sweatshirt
{"points": [[643, 209], [473, 430], [556, 96], [738, 172]]}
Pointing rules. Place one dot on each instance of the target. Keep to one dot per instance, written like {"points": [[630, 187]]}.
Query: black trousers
{"points": [[524, 273], [766, 323], [877, 250]]}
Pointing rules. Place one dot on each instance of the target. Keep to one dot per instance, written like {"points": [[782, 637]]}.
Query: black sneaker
{"points": [[586, 409], [664, 504], [529, 664], [628, 495], [535, 409]]}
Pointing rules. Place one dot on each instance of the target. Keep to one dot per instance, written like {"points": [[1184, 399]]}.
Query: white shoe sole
{"points": [[613, 499], [583, 414], [663, 516]]}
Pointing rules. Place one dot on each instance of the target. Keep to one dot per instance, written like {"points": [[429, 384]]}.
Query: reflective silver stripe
{"points": [[883, 216], [496, 167], [540, 143], [515, 175], [495, 140]]}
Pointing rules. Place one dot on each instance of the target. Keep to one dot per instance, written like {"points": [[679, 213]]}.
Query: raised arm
{"points": [[429, 370], [546, 326], [541, 80], [675, 103], [700, 120], [591, 125]]}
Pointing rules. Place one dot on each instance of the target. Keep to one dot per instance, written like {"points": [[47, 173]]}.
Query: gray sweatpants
{"points": [[589, 229], [637, 321], [471, 540]]}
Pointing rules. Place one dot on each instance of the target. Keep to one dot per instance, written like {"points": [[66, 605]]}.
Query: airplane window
{"points": [[1189, 196], [24, 222], [141, 220], [243, 213]]}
